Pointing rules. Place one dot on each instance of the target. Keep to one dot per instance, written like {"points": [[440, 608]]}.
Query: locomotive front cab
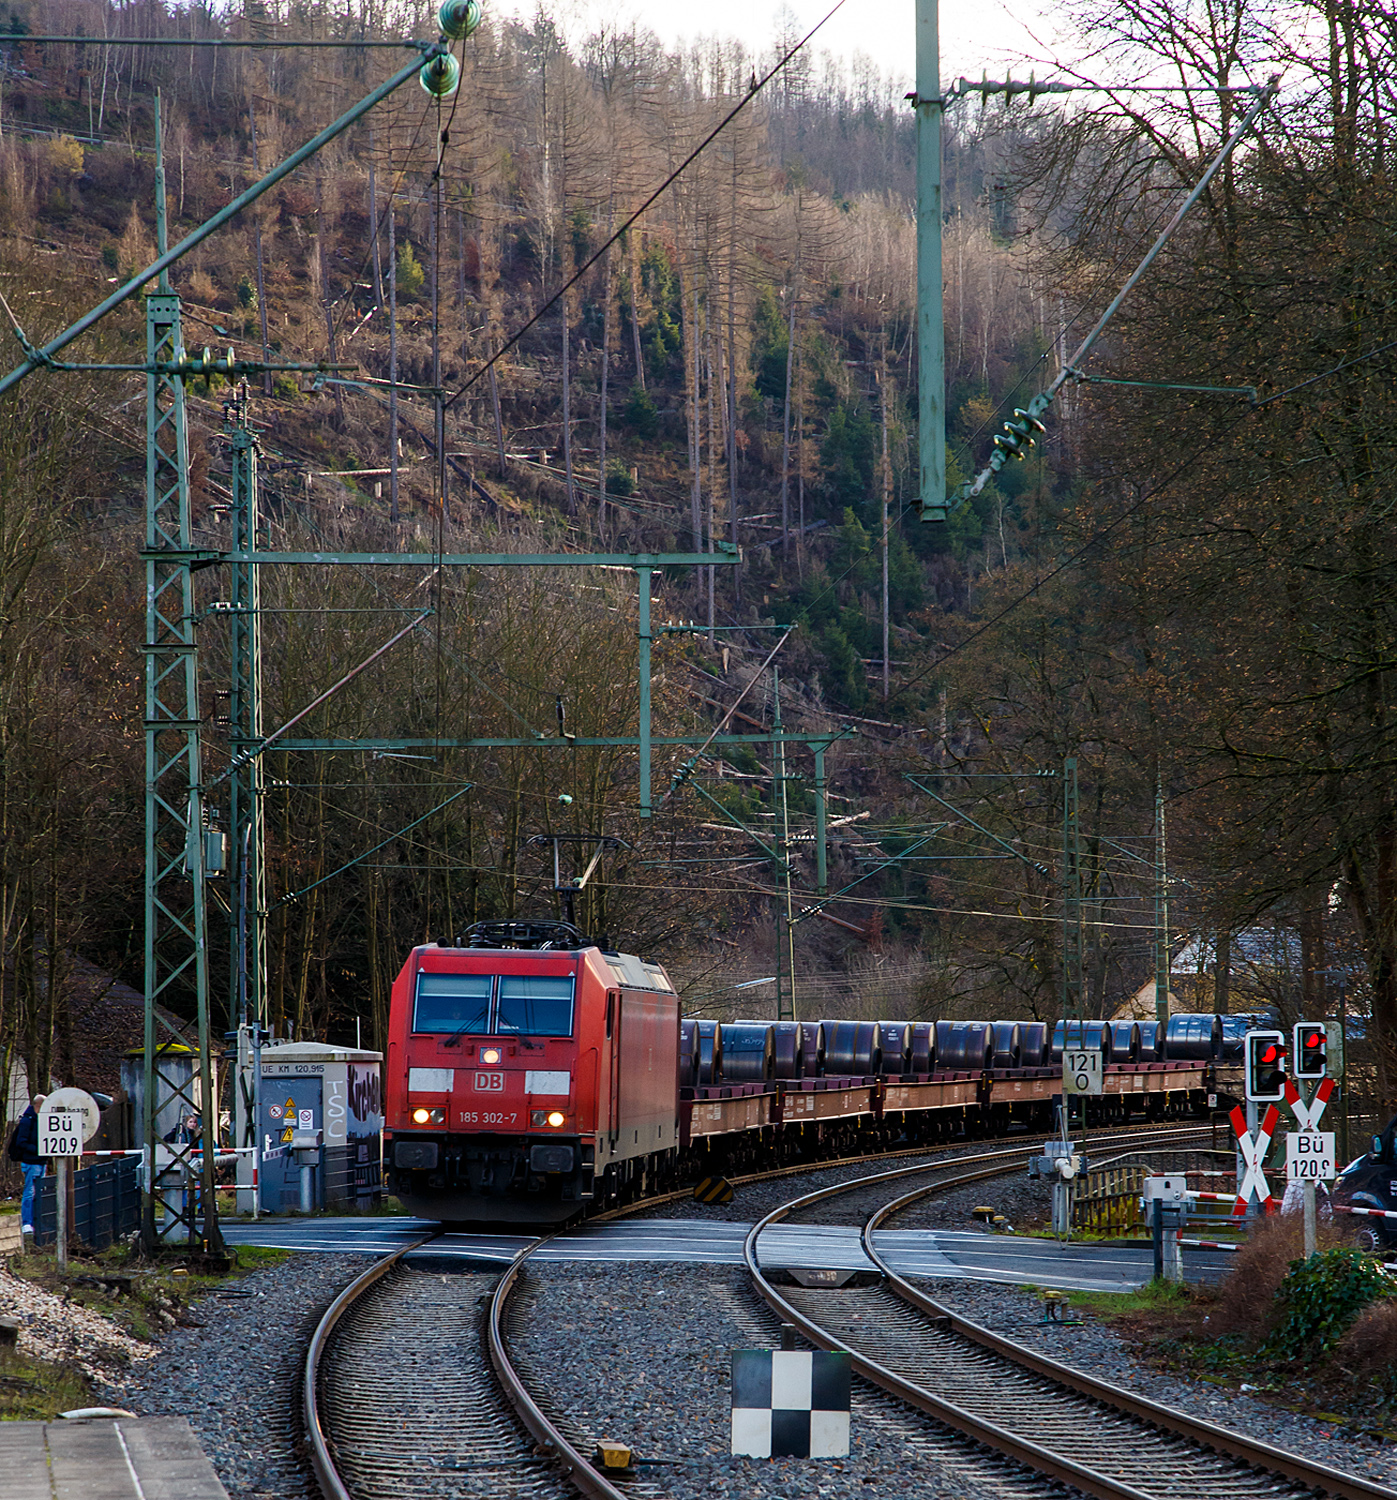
{"points": [[486, 1103]]}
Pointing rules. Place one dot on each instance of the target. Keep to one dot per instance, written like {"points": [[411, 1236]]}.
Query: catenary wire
{"points": [[664, 186]]}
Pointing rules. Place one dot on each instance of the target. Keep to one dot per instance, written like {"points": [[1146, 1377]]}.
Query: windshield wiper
{"points": [[454, 1040]]}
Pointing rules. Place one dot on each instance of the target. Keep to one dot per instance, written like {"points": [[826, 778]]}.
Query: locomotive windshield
{"points": [[535, 1005], [486, 1005], [453, 1002]]}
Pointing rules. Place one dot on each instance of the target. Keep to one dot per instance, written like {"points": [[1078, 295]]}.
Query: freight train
{"points": [[532, 1076]]}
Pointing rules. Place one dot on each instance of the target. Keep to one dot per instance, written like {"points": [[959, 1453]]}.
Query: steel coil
{"points": [[1007, 1051], [789, 1054], [688, 1054], [1234, 1032], [1086, 1036], [923, 1047], [748, 1052], [852, 1049], [710, 1053], [1193, 1038], [895, 1039], [968, 1046], [1125, 1041], [812, 1048], [1150, 1036], [1033, 1043]]}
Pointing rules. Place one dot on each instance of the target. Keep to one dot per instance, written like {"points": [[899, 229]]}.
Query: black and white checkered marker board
{"points": [[790, 1404]]}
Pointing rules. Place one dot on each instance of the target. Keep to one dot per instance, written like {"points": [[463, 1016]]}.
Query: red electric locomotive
{"points": [[528, 1074]]}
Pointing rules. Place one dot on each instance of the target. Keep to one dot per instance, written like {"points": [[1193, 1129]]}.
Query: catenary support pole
{"points": [[931, 337], [1073, 1016], [643, 576], [1161, 915], [176, 947]]}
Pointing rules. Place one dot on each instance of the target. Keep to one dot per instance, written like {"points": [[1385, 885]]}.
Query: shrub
{"points": [[66, 155], [1320, 1297], [411, 276], [640, 414], [201, 288], [1246, 1301], [247, 294], [618, 479], [1368, 1350]]}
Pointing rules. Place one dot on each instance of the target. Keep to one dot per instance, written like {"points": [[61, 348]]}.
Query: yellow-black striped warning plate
{"points": [[713, 1190]]}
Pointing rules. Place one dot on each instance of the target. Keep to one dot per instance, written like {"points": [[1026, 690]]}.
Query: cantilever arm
{"points": [[43, 356]]}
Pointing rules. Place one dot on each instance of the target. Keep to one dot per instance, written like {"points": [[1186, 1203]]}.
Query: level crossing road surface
{"points": [[946, 1254]]}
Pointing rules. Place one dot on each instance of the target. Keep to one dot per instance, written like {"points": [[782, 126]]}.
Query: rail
{"points": [[1251, 1451], [551, 1442], [958, 1418], [544, 1432], [321, 1459]]}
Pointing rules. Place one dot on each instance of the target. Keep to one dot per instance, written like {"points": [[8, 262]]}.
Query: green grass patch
{"points": [[249, 1258], [386, 1208], [1154, 1296], [32, 1390]]}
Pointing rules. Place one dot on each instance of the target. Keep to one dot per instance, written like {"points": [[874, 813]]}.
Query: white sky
{"points": [[975, 34]]}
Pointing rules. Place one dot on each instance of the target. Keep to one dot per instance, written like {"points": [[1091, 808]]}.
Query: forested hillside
{"points": [[1183, 590]]}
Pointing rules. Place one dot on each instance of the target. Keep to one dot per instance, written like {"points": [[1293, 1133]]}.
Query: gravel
{"points": [[236, 1378], [52, 1328], [643, 1354]]}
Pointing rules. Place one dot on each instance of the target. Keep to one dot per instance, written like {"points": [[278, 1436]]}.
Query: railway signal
{"points": [[1311, 1050], [1265, 1066]]}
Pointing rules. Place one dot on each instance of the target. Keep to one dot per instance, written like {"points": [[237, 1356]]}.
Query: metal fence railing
{"points": [[1107, 1196], [106, 1204]]}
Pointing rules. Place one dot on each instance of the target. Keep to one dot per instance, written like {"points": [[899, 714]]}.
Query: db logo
{"points": [[489, 1083]]}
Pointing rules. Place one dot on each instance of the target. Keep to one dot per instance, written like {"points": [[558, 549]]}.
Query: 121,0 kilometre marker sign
{"points": [[1081, 1071], [1309, 1156]]}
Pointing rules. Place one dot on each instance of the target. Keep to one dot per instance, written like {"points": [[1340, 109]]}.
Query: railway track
{"points": [[1054, 1420], [408, 1388], [409, 1393]]}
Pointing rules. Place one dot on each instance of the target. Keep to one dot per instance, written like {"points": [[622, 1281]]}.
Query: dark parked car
{"points": [[1371, 1182]]}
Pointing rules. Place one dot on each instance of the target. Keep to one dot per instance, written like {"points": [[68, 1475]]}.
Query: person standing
{"points": [[24, 1148]]}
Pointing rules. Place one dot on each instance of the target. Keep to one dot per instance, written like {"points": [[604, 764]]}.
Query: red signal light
{"points": [[1270, 1054]]}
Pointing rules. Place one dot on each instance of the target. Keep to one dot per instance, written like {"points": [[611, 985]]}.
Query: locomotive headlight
{"points": [[490, 1055], [420, 1116], [556, 1118]]}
